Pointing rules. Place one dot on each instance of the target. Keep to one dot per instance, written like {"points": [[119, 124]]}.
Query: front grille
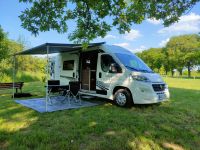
{"points": [[158, 87]]}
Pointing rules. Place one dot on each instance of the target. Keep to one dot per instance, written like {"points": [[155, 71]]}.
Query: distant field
{"points": [[184, 83], [171, 125]]}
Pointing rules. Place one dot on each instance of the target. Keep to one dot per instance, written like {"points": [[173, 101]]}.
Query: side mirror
{"points": [[114, 68]]}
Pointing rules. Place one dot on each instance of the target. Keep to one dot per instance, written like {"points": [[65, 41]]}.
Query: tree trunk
{"points": [[180, 72], [172, 72], [166, 72], [189, 72], [189, 69]]}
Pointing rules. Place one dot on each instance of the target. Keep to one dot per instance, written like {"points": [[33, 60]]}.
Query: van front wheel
{"points": [[123, 98]]}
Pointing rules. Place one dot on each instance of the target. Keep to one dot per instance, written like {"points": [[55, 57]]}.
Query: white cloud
{"points": [[190, 17], [154, 21], [187, 24], [128, 47], [139, 49], [132, 35], [125, 45], [110, 36], [164, 42]]}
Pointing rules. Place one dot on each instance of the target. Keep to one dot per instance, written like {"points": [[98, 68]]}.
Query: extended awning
{"points": [[46, 49], [55, 48]]}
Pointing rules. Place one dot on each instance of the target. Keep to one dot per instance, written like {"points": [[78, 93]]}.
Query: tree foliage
{"points": [[3, 45], [184, 51], [153, 57], [95, 18], [179, 53], [23, 63]]}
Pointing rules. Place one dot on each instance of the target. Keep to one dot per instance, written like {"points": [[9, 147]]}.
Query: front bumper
{"points": [[155, 98], [143, 93]]}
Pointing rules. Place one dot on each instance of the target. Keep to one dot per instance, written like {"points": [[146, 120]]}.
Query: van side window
{"points": [[106, 63], [68, 65]]}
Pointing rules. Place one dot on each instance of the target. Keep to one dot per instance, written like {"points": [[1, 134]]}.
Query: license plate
{"points": [[161, 96]]}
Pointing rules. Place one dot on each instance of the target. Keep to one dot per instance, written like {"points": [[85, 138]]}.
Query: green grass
{"points": [[171, 125]]}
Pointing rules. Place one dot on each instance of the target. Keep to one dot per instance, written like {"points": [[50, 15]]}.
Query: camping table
{"points": [[58, 89]]}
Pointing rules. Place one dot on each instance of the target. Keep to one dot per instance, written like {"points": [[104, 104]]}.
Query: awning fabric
{"points": [[55, 48]]}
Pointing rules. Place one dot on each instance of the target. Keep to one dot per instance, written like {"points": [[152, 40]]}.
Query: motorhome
{"points": [[111, 72]]}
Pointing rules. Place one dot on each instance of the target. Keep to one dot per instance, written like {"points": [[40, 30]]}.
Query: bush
{"points": [[27, 77], [21, 76], [5, 78]]}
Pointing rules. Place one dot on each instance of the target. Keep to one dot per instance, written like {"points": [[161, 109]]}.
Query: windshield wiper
{"points": [[132, 68], [146, 71], [139, 70]]}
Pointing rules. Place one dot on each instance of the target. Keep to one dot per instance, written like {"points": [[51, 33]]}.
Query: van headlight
{"points": [[140, 78]]}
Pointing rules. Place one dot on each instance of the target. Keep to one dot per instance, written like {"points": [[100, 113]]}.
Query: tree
{"points": [[158, 57], [9, 47], [166, 63], [3, 45], [175, 55], [95, 18], [180, 52], [184, 51], [147, 58], [153, 57]]}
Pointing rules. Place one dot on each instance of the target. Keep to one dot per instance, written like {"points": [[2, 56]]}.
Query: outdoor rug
{"points": [[39, 104]]}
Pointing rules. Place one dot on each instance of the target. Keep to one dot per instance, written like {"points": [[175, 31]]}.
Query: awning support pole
{"points": [[13, 77], [47, 75]]}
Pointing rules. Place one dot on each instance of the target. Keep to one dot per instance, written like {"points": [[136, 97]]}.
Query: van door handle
{"points": [[100, 74]]}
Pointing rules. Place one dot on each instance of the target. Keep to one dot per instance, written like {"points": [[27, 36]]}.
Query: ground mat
{"points": [[39, 104]]}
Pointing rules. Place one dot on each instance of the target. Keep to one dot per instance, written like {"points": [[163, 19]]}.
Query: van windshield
{"points": [[133, 62]]}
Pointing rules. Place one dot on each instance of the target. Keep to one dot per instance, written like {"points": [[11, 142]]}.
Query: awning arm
{"points": [[13, 78]]}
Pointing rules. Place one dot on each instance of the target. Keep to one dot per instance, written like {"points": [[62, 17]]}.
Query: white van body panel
{"points": [[66, 75], [142, 92]]}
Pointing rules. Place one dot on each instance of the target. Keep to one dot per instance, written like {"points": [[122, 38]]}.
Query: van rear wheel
{"points": [[123, 98]]}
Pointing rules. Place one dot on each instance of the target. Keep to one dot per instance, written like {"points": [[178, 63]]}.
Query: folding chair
{"points": [[53, 88], [73, 92]]}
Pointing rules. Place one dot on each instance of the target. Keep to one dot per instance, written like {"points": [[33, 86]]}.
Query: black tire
{"points": [[126, 98]]}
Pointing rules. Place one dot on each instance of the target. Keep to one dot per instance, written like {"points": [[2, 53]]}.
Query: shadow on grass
{"points": [[170, 125]]}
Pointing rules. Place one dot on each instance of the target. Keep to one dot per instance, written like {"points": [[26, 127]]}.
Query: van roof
{"points": [[116, 49]]}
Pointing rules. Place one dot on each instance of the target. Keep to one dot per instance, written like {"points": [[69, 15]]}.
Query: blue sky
{"points": [[151, 33]]}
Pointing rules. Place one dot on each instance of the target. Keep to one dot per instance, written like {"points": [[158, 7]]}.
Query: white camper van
{"points": [[110, 72]]}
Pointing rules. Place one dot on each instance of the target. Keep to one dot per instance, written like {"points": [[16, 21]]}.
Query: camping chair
{"points": [[52, 86], [55, 90], [74, 91]]}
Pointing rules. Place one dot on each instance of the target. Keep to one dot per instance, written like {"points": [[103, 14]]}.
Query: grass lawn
{"points": [[171, 125]]}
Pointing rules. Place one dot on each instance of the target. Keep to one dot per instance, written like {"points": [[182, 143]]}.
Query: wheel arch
{"points": [[122, 87]]}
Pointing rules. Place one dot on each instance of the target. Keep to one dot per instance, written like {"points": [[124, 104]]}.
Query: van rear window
{"points": [[68, 65]]}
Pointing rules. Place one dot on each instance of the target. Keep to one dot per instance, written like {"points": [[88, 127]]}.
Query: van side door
{"points": [[106, 69]]}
